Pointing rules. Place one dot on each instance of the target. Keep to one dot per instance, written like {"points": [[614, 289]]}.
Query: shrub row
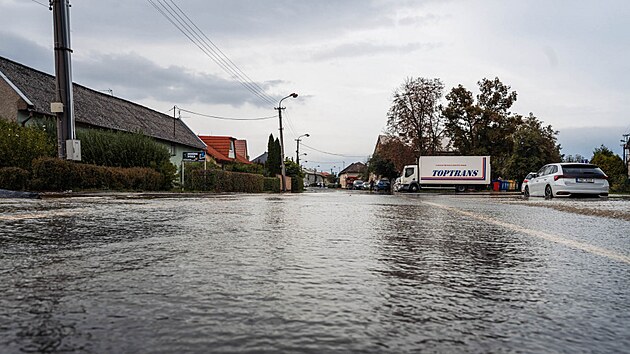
{"points": [[226, 181], [271, 184], [50, 174], [223, 181], [20, 145], [14, 178]]}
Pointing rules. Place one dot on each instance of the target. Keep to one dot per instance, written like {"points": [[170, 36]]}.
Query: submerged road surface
{"points": [[317, 272]]}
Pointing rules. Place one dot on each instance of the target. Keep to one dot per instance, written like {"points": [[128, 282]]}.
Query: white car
{"points": [[567, 179], [525, 182]]}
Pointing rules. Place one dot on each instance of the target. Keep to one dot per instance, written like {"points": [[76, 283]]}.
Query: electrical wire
{"points": [[185, 26], [260, 89], [41, 3], [225, 118], [329, 153]]}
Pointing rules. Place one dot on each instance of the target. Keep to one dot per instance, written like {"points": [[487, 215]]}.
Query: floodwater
{"points": [[328, 272]]}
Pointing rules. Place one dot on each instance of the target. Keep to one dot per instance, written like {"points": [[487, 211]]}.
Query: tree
{"points": [[415, 114], [608, 161], [383, 167], [394, 149], [273, 164], [533, 146], [484, 127], [613, 167]]}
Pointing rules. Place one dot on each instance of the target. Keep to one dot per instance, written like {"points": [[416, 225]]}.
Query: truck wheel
{"points": [[413, 188], [460, 188]]}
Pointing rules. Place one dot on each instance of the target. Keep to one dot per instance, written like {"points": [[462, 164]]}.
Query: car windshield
{"points": [[582, 171]]}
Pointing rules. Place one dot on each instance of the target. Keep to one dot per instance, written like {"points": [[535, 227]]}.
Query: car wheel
{"points": [[548, 192], [526, 192], [413, 188]]}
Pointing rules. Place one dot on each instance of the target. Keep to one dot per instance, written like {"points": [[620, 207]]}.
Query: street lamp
{"points": [[297, 151], [284, 171]]}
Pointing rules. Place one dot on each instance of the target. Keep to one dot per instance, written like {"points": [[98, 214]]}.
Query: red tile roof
{"points": [[219, 148]]}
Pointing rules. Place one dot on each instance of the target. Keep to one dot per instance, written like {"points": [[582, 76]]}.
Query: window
{"points": [[409, 171], [172, 149], [231, 153]]}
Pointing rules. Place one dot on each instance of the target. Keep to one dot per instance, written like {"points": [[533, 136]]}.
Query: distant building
{"points": [[262, 159], [26, 94], [351, 173], [225, 149], [313, 177]]}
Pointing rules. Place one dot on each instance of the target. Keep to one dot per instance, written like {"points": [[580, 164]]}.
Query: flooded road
{"points": [[317, 272]]}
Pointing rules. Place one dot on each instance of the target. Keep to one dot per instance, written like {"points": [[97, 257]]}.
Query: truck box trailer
{"points": [[459, 172]]}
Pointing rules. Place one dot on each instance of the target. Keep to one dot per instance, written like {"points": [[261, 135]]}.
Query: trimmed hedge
{"points": [[271, 184], [53, 174], [224, 181], [14, 178], [297, 184]]}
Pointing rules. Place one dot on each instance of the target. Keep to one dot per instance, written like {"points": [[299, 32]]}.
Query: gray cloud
{"points": [[367, 49], [135, 77], [27, 52], [584, 140]]}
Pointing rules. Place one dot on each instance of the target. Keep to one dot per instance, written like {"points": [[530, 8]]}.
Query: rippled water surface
{"points": [[316, 272]]}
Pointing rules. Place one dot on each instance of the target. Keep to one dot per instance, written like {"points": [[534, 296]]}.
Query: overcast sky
{"points": [[569, 62]]}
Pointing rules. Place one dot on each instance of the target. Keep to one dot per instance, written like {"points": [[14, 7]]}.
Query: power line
{"points": [[329, 153], [185, 26], [260, 89], [41, 3], [225, 118]]}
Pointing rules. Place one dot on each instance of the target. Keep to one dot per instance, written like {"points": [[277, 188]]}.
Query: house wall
{"points": [[345, 176], [10, 101]]}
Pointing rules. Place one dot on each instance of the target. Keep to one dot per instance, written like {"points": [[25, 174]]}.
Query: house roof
{"points": [[357, 167], [95, 108], [219, 148], [262, 159], [241, 148]]}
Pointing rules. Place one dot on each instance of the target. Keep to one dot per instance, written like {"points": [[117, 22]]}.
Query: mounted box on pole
{"points": [[64, 106]]}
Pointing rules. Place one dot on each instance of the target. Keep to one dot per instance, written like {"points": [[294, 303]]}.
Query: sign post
{"points": [[192, 156]]}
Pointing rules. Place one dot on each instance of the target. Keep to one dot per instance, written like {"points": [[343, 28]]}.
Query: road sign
{"points": [[194, 156]]}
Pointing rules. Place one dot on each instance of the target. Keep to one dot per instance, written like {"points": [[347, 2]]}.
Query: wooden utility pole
{"points": [[68, 146]]}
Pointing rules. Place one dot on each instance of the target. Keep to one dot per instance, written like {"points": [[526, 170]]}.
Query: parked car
{"points": [[365, 186], [357, 184], [382, 185], [568, 179], [524, 188]]}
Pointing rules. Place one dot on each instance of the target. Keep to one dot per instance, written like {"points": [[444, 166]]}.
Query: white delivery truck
{"points": [[459, 172]]}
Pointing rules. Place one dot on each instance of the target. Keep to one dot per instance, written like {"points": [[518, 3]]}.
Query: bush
{"points": [[121, 149], [271, 184], [14, 178], [20, 145], [619, 184], [58, 175], [297, 184], [223, 181]]}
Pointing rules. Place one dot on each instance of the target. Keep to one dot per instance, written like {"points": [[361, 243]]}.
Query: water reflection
{"points": [[322, 272]]}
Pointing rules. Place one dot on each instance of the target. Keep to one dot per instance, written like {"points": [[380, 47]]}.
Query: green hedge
{"points": [[20, 145], [271, 184], [297, 184], [52, 174], [14, 178], [223, 181]]}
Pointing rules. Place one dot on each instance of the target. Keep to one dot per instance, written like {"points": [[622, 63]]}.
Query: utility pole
{"points": [[297, 150], [284, 170], [626, 150], [68, 147]]}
